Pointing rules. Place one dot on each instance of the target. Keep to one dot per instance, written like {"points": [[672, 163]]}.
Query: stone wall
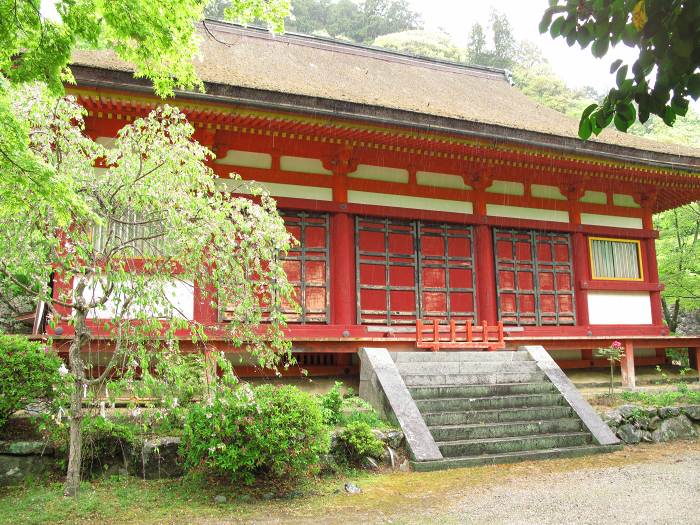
{"points": [[634, 424]]}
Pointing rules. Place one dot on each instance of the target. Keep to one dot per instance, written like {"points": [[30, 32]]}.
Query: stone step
{"points": [[462, 356], [512, 457], [496, 430], [472, 379], [500, 389], [465, 367], [487, 403], [474, 447], [495, 416]]}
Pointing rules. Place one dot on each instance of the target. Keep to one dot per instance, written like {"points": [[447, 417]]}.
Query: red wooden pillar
{"points": [[485, 267], [343, 286], [627, 366], [694, 358], [652, 275]]}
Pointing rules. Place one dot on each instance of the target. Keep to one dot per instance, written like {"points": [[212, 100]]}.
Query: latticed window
{"points": [[413, 269], [534, 277], [307, 267], [134, 235], [615, 259]]}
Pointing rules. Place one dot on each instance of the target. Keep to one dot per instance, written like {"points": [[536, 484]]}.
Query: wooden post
{"points": [[486, 274], [694, 358], [343, 288], [627, 366]]}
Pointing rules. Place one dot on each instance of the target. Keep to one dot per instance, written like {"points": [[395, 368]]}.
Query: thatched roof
{"points": [[358, 76]]}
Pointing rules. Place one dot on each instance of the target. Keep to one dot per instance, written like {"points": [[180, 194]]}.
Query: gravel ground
{"points": [[645, 484], [657, 492]]}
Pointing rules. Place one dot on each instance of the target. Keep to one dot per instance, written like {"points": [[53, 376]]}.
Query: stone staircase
{"points": [[493, 407]]}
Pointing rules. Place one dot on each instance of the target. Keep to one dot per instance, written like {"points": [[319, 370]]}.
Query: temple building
{"points": [[424, 192]]}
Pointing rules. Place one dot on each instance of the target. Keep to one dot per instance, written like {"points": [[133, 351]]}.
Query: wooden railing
{"points": [[463, 336]]}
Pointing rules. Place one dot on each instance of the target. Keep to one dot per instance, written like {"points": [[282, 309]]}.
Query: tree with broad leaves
{"points": [[153, 221], [678, 252], [666, 33]]}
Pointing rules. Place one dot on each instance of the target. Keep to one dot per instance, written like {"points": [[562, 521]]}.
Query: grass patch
{"points": [[681, 396]]}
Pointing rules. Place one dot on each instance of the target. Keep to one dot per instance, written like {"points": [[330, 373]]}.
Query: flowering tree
{"points": [[614, 354], [149, 224]]}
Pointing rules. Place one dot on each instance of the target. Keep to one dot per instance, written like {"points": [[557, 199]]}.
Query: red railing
{"points": [[454, 336]]}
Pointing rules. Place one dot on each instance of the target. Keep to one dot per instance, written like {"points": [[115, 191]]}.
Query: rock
{"points": [[328, 463], [351, 488], [158, 459], [394, 439], [654, 423], [381, 436], [678, 427], [219, 499], [629, 434], [667, 412], [613, 418], [268, 496], [369, 463], [647, 436], [25, 448], [650, 412], [692, 411], [390, 458], [335, 441], [626, 411], [15, 469], [405, 466]]}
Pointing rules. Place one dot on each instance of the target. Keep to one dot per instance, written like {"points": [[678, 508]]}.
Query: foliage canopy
{"points": [[662, 79]]}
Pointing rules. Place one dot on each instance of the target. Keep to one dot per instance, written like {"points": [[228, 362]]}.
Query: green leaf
{"points": [[694, 86], [584, 128], [615, 65], [555, 28], [600, 47], [620, 77], [546, 20], [669, 116], [590, 109], [620, 123]]}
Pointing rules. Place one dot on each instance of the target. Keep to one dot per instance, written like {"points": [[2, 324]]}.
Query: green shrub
{"points": [[28, 373], [356, 409], [332, 404], [266, 432], [359, 441]]}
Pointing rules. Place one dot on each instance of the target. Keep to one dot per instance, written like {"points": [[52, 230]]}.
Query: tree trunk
{"points": [[75, 457]]}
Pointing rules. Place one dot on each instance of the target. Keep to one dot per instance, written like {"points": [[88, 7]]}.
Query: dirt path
{"points": [[647, 484]]}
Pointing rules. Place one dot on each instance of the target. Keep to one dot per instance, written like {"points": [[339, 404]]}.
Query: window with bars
{"points": [[307, 266], [615, 259], [413, 269], [534, 277], [135, 234]]}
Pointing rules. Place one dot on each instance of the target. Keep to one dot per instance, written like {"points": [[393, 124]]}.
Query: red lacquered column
{"points": [[343, 288]]}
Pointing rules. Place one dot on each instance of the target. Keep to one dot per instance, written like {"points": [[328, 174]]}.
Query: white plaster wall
{"points": [[404, 201], [518, 212], [619, 307], [366, 171], [594, 197], [282, 190], [506, 187], [544, 191], [626, 201], [594, 219], [248, 159], [179, 294], [303, 165], [441, 180]]}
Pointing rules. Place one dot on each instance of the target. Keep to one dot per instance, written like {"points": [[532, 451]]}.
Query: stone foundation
{"points": [[635, 424]]}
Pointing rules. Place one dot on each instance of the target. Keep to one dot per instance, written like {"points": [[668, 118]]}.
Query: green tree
{"points": [[359, 21], [422, 43], [502, 53], [157, 222], [678, 253], [665, 74]]}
